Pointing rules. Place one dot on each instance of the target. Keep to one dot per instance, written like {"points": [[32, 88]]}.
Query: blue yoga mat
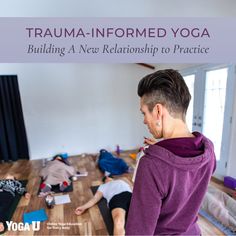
{"points": [[39, 215]]}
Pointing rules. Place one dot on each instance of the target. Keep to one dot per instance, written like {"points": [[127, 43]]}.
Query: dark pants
{"points": [[6, 200], [121, 200]]}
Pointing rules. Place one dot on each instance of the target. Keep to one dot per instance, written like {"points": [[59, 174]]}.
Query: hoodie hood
{"points": [[183, 153]]}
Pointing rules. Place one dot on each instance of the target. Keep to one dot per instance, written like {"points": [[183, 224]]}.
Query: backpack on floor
{"points": [[113, 165]]}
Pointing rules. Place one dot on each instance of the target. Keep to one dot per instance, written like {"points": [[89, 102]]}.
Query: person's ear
{"points": [[158, 109]]}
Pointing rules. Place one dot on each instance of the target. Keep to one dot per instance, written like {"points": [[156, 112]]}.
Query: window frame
{"points": [[200, 72]]}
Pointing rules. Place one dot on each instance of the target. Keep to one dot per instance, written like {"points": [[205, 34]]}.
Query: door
{"points": [[210, 111]]}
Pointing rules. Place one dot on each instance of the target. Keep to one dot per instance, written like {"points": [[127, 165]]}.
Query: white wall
{"points": [[79, 108], [121, 8]]}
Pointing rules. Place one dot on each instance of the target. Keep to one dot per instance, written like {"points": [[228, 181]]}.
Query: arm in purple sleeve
{"points": [[146, 200]]}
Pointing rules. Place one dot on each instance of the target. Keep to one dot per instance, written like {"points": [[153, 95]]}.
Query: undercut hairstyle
{"points": [[168, 88]]}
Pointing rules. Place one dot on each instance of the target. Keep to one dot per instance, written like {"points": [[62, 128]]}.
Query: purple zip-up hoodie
{"points": [[170, 184]]}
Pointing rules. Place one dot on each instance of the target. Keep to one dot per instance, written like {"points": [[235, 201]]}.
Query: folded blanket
{"points": [[221, 206]]}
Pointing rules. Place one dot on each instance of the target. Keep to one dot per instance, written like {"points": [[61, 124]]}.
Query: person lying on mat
{"points": [[118, 195], [9, 187], [57, 171]]}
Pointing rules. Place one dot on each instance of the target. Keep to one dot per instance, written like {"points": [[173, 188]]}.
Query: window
{"points": [[210, 110], [214, 106], [189, 80]]}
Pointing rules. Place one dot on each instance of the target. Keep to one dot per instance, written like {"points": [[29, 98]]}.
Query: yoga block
{"points": [[230, 182]]}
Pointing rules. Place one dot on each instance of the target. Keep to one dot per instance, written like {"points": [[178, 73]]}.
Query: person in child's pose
{"points": [[9, 187], [173, 175], [57, 171], [118, 194]]}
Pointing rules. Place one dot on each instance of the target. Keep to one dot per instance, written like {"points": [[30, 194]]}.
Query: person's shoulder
{"points": [[122, 181], [147, 161], [152, 154], [101, 186], [151, 170], [153, 150], [208, 144], [154, 161], [204, 139]]}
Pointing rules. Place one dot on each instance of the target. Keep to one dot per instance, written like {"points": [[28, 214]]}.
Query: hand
{"points": [[79, 210], [149, 141], [27, 196]]}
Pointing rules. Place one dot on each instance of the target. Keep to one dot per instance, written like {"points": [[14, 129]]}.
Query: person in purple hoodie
{"points": [[174, 173]]}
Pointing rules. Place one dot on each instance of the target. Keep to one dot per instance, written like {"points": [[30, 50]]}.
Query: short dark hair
{"points": [[166, 87]]}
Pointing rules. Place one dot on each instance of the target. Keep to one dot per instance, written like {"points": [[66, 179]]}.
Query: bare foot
{"points": [[1, 227]]}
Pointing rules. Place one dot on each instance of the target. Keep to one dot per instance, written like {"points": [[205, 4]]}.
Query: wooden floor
{"points": [[62, 220]]}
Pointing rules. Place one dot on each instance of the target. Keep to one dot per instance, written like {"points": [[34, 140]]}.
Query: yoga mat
{"points": [[56, 188], [106, 214], [39, 215], [216, 223]]}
